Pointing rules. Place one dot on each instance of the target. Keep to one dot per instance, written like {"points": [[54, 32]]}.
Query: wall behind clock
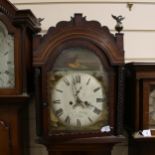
{"points": [[139, 23], [139, 30]]}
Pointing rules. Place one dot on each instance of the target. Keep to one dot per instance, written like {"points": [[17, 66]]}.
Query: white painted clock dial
{"points": [[152, 108], [78, 99], [7, 75]]}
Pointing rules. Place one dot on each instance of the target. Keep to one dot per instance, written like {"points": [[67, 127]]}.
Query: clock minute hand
{"points": [[78, 91], [79, 102], [89, 104], [75, 93], [95, 109]]}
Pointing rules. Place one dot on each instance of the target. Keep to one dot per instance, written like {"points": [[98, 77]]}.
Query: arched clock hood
{"points": [[80, 28]]}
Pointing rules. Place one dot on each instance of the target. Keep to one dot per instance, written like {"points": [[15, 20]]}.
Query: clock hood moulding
{"points": [[7, 8], [79, 28], [19, 16]]}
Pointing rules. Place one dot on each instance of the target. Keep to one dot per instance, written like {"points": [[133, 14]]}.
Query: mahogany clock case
{"points": [[90, 36], [79, 34], [140, 101], [76, 47], [17, 28], [140, 84]]}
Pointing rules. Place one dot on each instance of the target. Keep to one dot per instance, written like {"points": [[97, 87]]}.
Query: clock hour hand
{"points": [[95, 109], [87, 104], [79, 102], [78, 91]]}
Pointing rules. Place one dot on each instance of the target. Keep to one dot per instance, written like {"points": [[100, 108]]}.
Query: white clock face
{"points": [[7, 77], [152, 108], [78, 100]]}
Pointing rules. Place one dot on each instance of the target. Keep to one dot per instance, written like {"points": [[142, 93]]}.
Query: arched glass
{"points": [[78, 85]]}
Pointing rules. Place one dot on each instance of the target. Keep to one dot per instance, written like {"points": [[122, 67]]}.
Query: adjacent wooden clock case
{"points": [[70, 57], [140, 103], [16, 30]]}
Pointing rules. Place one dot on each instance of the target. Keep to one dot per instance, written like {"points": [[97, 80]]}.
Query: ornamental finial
{"points": [[119, 25]]}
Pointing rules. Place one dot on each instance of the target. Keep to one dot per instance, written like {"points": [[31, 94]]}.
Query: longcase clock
{"points": [[79, 81], [16, 30], [140, 107]]}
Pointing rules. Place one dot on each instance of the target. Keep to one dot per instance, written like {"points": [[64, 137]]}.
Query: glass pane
{"points": [[78, 86], [152, 108], [7, 74]]}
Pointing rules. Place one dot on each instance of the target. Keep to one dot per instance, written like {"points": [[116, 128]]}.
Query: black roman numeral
{"points": [[76, 79], [88, 81], [56, 102], [5, 53], [7, 72], [9, 62], [97, 111], [96, 89], [99, 100], [59, 112], [66, 82], [78, 123], [59, 90], [90, 119], [67, 120]]}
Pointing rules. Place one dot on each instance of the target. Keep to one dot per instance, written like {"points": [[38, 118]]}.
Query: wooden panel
{"points": [[80, 153], [83, 149], [5, 139], [142, 148], [10, 139]]}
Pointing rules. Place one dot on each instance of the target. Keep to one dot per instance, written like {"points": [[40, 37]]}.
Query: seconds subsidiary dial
{"points": [[78, 100]]}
